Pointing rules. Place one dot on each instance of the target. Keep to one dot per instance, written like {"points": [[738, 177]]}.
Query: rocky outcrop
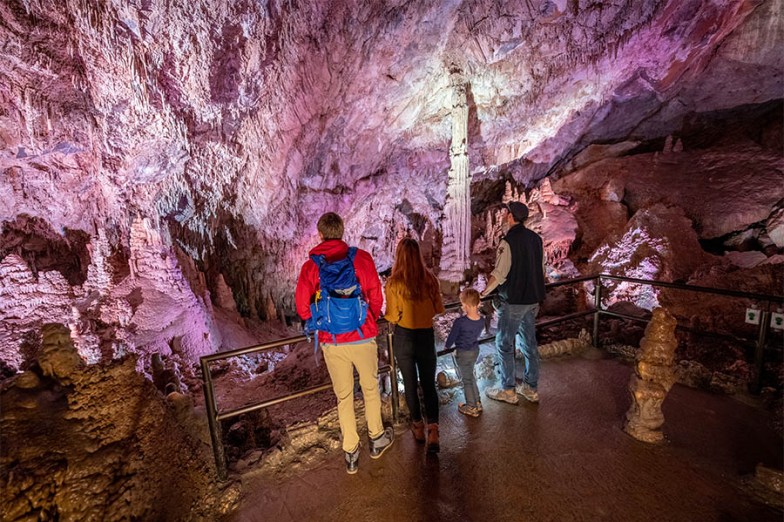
{"points": [[658, 243], [151, 301], [85, 442]]}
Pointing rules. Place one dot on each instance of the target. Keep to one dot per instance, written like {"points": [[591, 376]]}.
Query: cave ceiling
{"points": [[191, 110]]}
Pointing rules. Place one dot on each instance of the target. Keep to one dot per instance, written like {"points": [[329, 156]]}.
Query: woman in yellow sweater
{"points": [[413, 298]]}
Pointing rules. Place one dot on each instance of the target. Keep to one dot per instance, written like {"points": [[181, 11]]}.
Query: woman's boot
{"points": [[433, 443], [418, 429]]}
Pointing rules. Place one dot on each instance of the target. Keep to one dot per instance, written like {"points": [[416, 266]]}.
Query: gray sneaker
{"points": [[499, 394], [380, 444], [352, 461], [527, 392]]}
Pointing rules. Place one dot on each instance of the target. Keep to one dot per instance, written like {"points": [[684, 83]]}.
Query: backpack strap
{"points": [[352, 254], [318, 259]]}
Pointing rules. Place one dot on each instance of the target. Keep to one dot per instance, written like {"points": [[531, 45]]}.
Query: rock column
{"points": [[653, 378], [457, 211]]}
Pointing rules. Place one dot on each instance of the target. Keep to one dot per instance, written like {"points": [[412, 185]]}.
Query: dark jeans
{"points": [[415, 353]]}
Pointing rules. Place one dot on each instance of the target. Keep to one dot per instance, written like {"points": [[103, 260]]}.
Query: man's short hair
{"points": [[470, 297], [330, 225]]}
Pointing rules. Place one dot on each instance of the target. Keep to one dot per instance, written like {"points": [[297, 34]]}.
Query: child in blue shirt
{"points": [[465, 337]]}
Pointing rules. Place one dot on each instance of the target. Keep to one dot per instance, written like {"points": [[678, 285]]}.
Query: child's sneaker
{"points": [[465, 409], [527, 392], [352, 461], [499, 394], [381, 443]]}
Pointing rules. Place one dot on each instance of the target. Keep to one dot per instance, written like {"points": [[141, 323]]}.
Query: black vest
{"points": [[525, 282]]}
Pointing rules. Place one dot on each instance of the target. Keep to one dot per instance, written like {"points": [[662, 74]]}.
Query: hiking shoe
{"points": [[352, 461], [499, 394], [465, 409], [418, 429], [527, 392], [433, 439], [380, 444]]}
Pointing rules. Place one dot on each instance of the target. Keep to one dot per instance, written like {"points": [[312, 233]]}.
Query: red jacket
{"points": [[364, 267]]}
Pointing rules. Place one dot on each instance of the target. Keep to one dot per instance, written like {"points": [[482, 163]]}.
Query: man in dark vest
{"points": [[519, 276]]}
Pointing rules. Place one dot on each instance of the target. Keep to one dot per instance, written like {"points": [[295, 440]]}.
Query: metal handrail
{"points": [[215, 416], [695, 288]]}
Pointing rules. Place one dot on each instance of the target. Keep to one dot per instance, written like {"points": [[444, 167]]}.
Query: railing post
{"points": [[214, 423], [759, 352], [597, 305], [393, 376]]}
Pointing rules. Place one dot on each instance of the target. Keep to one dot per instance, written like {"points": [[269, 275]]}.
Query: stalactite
{"points": [[457, 212]]}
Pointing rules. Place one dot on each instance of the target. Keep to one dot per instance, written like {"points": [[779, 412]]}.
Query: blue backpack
{"points": [[339, 307]]}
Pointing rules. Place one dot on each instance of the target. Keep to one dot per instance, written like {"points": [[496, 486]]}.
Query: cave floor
{"points": [[565, 459]]}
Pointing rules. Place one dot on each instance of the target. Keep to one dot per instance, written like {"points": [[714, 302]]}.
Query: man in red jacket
{"points": [[348, 350]]}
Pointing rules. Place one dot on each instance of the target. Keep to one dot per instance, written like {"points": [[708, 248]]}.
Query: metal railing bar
{"points": [[247, 409], [384, 369], [393, 377], [542, 324], [255, 348], [563, 282], [214, 425], [759, 352], [563, 319], [695, 288], [626, 316], [683, 327]]}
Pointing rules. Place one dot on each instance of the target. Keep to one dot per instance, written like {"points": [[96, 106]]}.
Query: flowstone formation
{"points": [[653, 378], [90, 443]]}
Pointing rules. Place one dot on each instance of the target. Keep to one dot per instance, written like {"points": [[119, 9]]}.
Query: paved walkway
{"points": [[565, 459]]}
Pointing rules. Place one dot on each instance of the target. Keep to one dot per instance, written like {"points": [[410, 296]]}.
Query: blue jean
{"points": [[466, 359], [516, 325]]}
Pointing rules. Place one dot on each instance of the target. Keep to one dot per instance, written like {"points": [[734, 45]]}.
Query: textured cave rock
{"points": [[233, 126], [85, 443]]}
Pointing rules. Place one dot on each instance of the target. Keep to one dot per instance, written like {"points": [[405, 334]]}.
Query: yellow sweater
{"points": [[411, 314]]}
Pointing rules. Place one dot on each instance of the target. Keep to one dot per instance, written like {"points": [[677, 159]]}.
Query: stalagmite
{"points": [[653, 378], [457, 211]]}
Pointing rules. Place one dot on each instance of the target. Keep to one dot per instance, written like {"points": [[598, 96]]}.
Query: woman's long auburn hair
{"points": [[409, 270]]}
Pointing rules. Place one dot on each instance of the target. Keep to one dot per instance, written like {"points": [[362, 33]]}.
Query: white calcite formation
{"points": [[154, 308], [457, 212]]}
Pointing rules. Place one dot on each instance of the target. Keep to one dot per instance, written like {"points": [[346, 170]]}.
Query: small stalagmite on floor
{"points": [[654, 376]]}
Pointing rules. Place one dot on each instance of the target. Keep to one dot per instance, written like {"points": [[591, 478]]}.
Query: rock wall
{"points": [[90, 443]]}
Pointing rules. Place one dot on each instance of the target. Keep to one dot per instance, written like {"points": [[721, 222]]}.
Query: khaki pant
{"points": [[341, 360]]}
